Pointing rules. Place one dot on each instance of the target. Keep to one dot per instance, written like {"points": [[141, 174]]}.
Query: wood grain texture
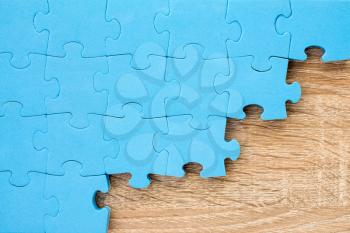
{"points": [[292, 176]]}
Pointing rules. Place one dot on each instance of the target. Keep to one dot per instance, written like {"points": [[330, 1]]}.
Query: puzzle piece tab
{"points": [[136, 155], [197, 22], [18, 36], [268, 90], [66, 143], [17, 153], [75, 75], [259, 37], [318, 23], [23, 209], [78, 211], [77, 21]]}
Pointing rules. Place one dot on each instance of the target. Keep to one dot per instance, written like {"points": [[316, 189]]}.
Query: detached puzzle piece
{"points": [[259, 37], [197, 22], [66, 143], [268, 90], [198, 97], [207, 147], [78, 21], [318, 23], [125, 84], [75, 75], [17, 153], [138, 36], [78, 211], [136, 155], [18, 36], [26, 85], [23, 209]]}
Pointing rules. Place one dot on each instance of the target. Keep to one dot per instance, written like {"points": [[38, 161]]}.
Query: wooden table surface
{"points": [[292, 176]]}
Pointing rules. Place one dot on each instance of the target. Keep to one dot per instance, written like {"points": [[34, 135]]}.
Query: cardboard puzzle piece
{"points": [[77, 21], [75, 75], [185, 144], [64, 143], [18, 36], [268, 90], [136, 154], [138, 36], [193, 22], [27, 85], [259, 38], [318, 23], [78, 212], [125, 84], [198, 96], [17, 153], [23, 209]]}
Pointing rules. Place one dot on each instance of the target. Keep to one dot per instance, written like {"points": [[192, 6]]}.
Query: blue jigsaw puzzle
{"points": [[96, 88]]}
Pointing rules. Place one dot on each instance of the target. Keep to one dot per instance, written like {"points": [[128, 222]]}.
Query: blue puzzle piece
{"points": [[327, 27], [198, 97], [75, 75], [26, 85], [197, 22], [138, 36], [206, 147], [18, 36], [268, 90], [23, 208], [259, 36], [65, 143], [133, 133], [17, 153], [77, 21], [78, 211], [144, 87]]}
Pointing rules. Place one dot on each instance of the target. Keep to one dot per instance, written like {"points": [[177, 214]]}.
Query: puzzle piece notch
{"points": [[138, 36], [328, 29], [124, 84], [198, 96], [25, 205], [17, 153], [133, 132], [180, 15], [26, 86], [265, 89], [18, 36], [65, 143], [185, 144], [88, 26], [75, 75], [68, 190], [259, 38]]}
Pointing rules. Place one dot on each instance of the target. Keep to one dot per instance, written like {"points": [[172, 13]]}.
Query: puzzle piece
{"points": [[259, 36], [23, 208], [65, 143], [78, 21], [138, 36], [18, 36], [26, 85], [327, 28], [133, 133], [75, 75], [198, 97], [144, 87], [78, 211], [197, 22], [185, 144], [265, 89], [17, 153]]}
